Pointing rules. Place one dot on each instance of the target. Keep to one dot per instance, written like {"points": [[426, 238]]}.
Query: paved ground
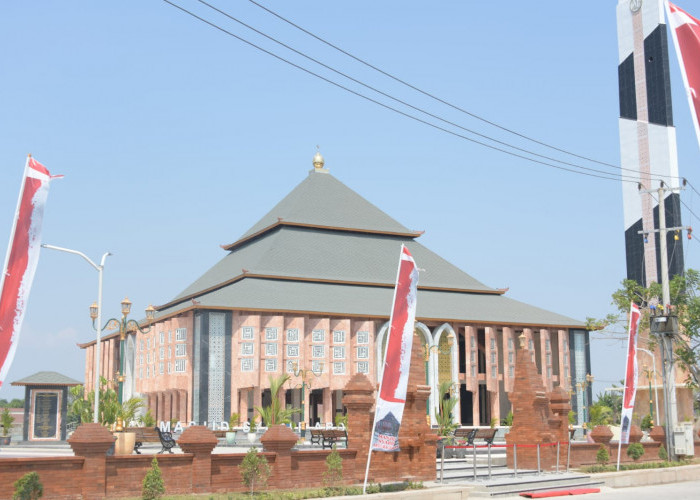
{"points": [[688, 490]]}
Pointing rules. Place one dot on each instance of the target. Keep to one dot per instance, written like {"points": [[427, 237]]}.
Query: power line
{"points": [[425, 93], [447, 103], [606, 175], [416, 108]]}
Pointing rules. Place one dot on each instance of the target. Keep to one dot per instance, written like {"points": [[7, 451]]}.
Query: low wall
{"points": [[60, 475], [583, 454]]}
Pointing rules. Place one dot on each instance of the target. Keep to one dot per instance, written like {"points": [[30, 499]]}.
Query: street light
{"points": [[98, 305], [123, 324], [656, 389]]}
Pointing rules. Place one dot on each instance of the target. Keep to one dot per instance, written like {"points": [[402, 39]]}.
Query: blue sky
{"points": [[175, 138]]}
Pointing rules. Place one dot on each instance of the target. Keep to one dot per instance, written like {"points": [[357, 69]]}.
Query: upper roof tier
{"points": [[323, 201]]}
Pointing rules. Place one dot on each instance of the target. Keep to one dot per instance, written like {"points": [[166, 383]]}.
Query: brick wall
{"points": [[92, 474]]}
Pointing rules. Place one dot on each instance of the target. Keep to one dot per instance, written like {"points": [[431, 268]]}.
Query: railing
{"points": [[515, 455]]}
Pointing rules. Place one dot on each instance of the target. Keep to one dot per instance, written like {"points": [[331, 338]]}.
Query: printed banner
{"points": [[21, 259], [397, 358], [686, 35], [630, 375]]}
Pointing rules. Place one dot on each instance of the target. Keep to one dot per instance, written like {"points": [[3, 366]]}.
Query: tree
{"points": [[254, 470], [334, 469], [685, 301], [599, 414], [153, 486], [275, 413], [613, 400]]}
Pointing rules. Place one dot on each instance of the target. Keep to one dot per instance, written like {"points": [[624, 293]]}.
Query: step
{"points": [[510, 486], [484, 461]]}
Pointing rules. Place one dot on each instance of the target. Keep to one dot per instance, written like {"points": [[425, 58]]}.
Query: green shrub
{"points": [[663, 454], [153, 485], [28, 487], [602, 457], [148, 420], [254, 470], [508, 421], [635, 450], [647, 423], [334, 469], [6, 420]]}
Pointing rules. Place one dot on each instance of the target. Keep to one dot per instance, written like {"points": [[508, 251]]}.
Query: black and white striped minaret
{"points": [[647, 137]]}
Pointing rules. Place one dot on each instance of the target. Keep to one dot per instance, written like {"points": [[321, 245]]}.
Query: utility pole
{"points": [[665, 326]]}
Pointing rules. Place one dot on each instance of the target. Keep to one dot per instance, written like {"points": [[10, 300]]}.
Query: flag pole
{"points": [[381, 376], [624, 393], [679, 56]]}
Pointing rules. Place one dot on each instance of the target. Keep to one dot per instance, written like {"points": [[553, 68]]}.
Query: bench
{"points": [[472, 433], [152, 435], [328, 437]]}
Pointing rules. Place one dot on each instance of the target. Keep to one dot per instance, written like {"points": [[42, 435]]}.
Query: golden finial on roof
{"points": [[318, 160]]}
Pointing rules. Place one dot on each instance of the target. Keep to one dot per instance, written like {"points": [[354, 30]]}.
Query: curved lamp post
{"points": [[123, 324]]}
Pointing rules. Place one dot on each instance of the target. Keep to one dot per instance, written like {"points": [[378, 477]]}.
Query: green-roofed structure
{"points": [[307, 291], [45, 406]]}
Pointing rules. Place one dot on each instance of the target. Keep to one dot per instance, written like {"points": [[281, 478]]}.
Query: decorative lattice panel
{"points": [[217, 363]]}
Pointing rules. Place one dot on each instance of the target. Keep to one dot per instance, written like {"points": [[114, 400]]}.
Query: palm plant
{"points": [[446, 425], [275, 413], [109, 409]]}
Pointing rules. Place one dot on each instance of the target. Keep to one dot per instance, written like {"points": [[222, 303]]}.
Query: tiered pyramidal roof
{"points": [[325, 249]]}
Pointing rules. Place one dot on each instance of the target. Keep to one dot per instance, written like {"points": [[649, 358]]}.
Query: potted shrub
{"points": [[125, 415], [6, 420], [251, 432]]}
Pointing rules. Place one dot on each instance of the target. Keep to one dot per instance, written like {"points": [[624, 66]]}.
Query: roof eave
{"points": [[282, 222]]}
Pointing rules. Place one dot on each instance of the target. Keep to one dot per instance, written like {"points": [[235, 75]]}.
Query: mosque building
{"points": [[307, 291]]}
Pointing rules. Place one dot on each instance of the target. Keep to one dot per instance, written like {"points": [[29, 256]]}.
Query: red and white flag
{"points": [[686, 37], [630, 375], [21, 259], [397, 358]]}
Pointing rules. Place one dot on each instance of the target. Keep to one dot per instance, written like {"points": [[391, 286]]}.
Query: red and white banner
{"points": [[21, 259], [630, 375], [686, 37], [397, 358]]}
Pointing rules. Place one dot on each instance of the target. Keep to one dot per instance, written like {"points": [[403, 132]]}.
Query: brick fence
{"points": [[91, 474]]}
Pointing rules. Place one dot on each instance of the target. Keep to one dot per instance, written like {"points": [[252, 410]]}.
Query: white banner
{"points": [[397, 358], [21, 259]]}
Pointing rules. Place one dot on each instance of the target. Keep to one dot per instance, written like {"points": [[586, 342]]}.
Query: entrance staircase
{"points": [[489, 476]]}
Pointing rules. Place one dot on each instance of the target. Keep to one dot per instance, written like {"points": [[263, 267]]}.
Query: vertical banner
{"points": [[630, 375], [397, 358], [686, 37], [21, 259]]}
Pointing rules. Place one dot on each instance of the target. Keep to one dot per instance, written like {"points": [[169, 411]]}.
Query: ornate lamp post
{"points": [[437, 350], [656, 390], [303, 385], [124, 325], [583, 388]]}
